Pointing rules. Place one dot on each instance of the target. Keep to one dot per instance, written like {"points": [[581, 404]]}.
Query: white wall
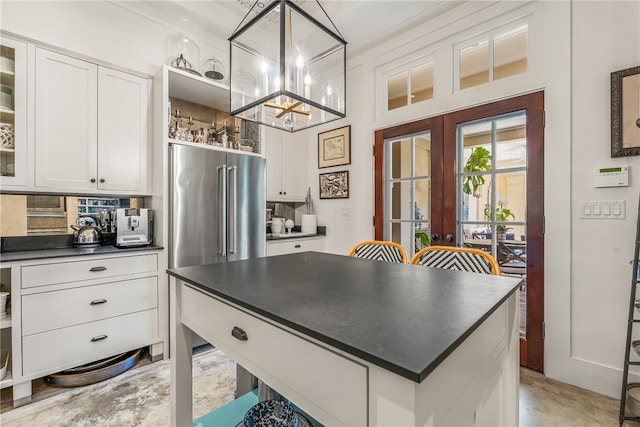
{"points": [[606, 38], [573, 48]]}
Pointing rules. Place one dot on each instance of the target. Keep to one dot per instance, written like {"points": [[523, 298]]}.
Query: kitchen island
{"points": [[355, 342]]}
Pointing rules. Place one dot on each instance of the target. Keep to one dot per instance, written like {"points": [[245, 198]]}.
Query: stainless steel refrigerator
{"points": [[218, 214], [218, 202]]}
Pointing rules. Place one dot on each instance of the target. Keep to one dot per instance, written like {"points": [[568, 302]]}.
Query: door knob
{"points": [[435, 237], [449, 237]]}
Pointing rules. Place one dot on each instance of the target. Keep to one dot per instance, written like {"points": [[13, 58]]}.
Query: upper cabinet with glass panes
{"points": [[13, 78]]}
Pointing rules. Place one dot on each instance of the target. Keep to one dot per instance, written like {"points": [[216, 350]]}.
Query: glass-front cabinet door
{"points": [[13, 112]]}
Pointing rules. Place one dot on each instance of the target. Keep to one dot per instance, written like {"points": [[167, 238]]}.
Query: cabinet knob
{"points": [[297, 246], [279, 192], [94, 269], [284, 192], [101, 179], [98, 301], [93, 180]]}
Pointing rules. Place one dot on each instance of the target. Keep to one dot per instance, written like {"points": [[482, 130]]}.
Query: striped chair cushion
{"points": [[379, 252], [462, 261]]}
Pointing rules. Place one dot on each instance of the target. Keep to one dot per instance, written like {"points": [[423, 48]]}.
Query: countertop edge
{"points": [[42, 254]]}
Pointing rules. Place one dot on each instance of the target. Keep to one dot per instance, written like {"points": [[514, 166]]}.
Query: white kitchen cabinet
{"points": [[13, 113], [291, 246], [91, 127], [76, 310], [286, 166]]}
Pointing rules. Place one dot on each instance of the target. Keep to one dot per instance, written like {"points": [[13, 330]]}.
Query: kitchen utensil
{"points": [[309, 224], [86, 235], [276, 225]]}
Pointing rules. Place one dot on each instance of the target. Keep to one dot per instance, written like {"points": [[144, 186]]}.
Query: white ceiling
{"points": [[363, 23]]}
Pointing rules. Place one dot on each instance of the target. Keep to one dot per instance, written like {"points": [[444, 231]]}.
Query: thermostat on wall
{"points": [[616, 176]]}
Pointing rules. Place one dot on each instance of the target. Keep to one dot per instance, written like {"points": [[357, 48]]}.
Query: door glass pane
{"points": [[423, 154], [422, 82], [511, 147], [475, 202], [401, 201], [397, 90], [510, 53], [400, 159], [474, 64], [7, 113], [511, 197]]}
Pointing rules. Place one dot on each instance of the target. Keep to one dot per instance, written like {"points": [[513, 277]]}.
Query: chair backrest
{"points": [[453, 258], [379, 250]]}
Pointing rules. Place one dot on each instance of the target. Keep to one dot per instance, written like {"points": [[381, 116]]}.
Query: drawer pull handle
{"points": [[239, 334], [99, 338], [98, 301], [94, 269], [297, 246]]}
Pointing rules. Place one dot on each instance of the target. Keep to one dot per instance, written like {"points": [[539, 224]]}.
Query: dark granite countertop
{"points": [[404, 318], [296, 233], [70, 252]]}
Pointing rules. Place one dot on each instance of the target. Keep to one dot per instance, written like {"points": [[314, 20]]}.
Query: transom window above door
{"points": [[409, 84], [491, 56]]}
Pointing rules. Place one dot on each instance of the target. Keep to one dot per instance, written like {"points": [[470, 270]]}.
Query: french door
{"points": [[472, 178]]}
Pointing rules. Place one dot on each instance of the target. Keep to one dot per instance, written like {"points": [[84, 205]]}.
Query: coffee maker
{"points": [[135, 226]]}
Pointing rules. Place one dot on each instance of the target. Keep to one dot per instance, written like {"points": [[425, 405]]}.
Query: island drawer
{"points": [[65, 348], [46, 311], [330, 387], [291, 246], [87, 269]]}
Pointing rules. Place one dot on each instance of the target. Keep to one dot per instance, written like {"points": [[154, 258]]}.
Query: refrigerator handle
{"points": [[222, 203], [233, 202]]}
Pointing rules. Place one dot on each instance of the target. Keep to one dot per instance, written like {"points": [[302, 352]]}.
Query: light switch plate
{"points": [[603, 209]]}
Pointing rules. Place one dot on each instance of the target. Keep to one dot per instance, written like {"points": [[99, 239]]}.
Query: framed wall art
{"points": [[334, 185], [625, 112], [334, 147]]}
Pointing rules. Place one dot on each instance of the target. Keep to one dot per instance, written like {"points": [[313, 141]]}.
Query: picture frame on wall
{"points": [[334, 147], [334, 185], [625, 112]]}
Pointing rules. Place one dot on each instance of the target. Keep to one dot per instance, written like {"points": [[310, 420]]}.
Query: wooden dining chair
{"points": [[380, 250], [453, 258]]}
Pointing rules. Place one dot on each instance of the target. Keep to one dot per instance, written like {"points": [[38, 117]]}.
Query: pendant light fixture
{"points": [[288, 66]]}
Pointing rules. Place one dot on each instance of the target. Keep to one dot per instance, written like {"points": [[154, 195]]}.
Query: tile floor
{"points": [[546, 402], [543, 402]]}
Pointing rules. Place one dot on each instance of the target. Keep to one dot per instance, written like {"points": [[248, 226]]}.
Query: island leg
{"points": [[181, 354]]}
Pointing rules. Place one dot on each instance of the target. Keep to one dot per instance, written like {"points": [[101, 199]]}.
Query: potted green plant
{"points": [[479, 161], [502, 214], [422, 240]]}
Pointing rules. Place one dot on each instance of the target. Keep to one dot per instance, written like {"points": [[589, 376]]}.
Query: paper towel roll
{"points": [[309, 224]]}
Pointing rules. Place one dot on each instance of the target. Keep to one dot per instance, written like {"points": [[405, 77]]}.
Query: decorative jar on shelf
{"points": [[183, 54]]}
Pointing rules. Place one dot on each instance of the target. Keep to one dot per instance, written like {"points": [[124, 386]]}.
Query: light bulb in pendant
{"points": [[287, 123]]}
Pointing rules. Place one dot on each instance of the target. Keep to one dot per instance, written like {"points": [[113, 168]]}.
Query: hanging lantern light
{"points": [[288, 67]]}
